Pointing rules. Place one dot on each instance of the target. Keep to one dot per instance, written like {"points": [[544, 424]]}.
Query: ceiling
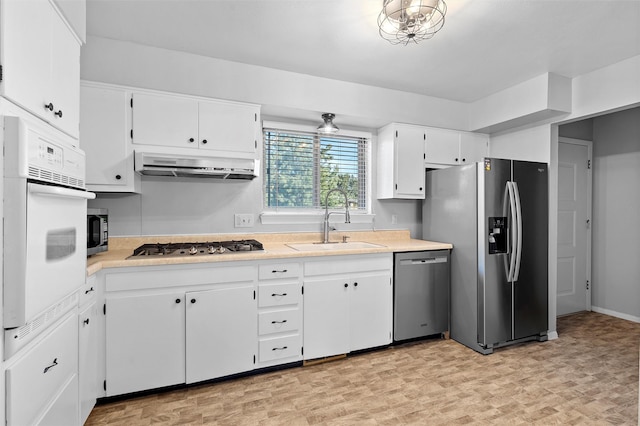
{"points": [[485, 45]]}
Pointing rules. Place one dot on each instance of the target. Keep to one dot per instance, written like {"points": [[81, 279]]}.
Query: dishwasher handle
{"points": [[424, 261]]}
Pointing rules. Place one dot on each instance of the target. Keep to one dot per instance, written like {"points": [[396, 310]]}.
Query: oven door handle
{"points": [[57, 191]]}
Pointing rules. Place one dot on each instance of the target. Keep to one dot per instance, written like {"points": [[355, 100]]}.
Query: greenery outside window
{"points": [[302, 166]]}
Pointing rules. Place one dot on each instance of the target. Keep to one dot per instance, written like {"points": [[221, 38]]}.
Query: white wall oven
{"points": [[45, 204]]}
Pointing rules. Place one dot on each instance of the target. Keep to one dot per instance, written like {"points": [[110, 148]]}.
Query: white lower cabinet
{"points": [[221, 330], [279, 313], [145, 341], [87, 360], [176, 324], [42, 382], [172, 325], [347, 305]]}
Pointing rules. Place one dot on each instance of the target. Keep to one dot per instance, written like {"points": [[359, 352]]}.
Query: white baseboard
{"points": [[552, 335], [615, 314]]}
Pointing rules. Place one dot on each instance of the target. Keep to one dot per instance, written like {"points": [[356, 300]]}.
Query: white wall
{"points": [[189, 206], [616, 203], [281, 93]]}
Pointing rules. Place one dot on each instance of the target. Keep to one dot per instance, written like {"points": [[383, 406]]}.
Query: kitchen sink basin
{"points": [[351, 245]]}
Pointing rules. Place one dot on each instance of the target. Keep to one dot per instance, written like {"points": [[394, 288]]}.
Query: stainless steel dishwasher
{"points": [[420, 294]]}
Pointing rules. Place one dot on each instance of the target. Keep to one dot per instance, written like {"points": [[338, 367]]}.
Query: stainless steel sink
{"points": [[351, 245]]}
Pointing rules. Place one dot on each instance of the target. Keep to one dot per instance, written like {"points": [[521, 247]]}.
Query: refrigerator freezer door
{"points": [[531, 287], [494, 289]]}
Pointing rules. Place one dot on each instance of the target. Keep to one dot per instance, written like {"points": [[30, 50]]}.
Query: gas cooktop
{"points": [[196, 249]]}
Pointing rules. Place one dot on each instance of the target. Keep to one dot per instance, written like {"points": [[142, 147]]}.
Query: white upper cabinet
{"points": [[442, 146], [445, 147], [473, 147], [401, 172], [165, 121], [105, 127], [228, 128], [40, 59]]}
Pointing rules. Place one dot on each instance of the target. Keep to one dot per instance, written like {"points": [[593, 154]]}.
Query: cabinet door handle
{"points": [[346, 285], [178, 300], [355, 284], [464, 159], [191, 140], [456, 160], [89, 291], [58, 113], [193, 300], [275, 271], [48, 106], [278, 322], [279, 349], [278, 294], [204, 141], [49, 367], [420, 189], [86, 322], [118, 177]]}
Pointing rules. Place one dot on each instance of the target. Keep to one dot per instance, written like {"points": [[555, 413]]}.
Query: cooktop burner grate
{"points": [[196, 249]]}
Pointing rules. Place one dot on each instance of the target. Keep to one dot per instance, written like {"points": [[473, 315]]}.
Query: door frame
{"points": [[589, 145]]}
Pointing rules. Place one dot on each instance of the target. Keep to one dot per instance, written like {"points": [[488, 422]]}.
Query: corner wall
{"points": [[616, 203]]}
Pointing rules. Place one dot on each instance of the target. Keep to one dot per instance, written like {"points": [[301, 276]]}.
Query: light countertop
{"points": [[275, 247]]}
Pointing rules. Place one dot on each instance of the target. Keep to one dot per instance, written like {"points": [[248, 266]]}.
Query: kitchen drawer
{"points": [[278, 294], [279, 270], [278, 321], [87, 292], [280, 348], [35, 379]]}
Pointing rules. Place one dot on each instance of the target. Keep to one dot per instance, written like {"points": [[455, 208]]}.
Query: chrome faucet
{"points": [[347, 217]]}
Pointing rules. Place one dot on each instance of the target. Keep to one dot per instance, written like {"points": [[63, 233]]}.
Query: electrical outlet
{"points": [[243, 220], [394, 219]]}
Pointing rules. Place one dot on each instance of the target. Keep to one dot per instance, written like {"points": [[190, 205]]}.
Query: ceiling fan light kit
{"points": [[411, 21]]}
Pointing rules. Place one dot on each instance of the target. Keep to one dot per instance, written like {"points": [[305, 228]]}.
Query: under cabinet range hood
{"points": [[163, 164]]}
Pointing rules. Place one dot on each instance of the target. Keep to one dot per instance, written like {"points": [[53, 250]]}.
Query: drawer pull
{"points": [[86, 321], [282, 271], [55, 362], [89, 291], [278, 322], [279, 349], [278, 294]]}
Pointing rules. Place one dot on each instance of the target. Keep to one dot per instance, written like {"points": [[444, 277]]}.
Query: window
{"points": [[301, 167]]}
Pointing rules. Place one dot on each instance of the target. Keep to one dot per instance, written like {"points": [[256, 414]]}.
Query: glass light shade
{"points": [[328, 126]]}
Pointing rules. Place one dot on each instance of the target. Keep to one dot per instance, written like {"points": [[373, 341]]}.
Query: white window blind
{"points": [[301, 167]]}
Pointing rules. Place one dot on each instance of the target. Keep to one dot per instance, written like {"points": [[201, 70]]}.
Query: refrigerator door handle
{"points": [[519, 227], [514, 232]]}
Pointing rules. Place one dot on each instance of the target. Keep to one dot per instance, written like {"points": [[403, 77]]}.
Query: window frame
{"points": [[310, 214]]}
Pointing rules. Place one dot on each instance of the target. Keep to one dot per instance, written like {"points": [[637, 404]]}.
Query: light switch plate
{"points": [[244, 220]]}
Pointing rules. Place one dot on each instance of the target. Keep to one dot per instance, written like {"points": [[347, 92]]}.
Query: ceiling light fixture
{"points": [[405, 21], [328, 126]]}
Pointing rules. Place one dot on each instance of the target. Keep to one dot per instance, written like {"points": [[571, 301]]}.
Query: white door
{"points": [[574, 226], [442, 146], [145, 342], [326, 317], [227, 127], [165, 121], [410, 162], [370, 311], [221, 332]]}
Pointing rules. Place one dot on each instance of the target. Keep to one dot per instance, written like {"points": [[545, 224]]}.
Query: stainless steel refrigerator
{"points": [[495, 213]]}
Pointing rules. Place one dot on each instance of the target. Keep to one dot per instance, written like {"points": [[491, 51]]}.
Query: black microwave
{"points": [[97, 231]]}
